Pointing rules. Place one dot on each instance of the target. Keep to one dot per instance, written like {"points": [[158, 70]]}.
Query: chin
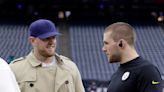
{"points": [[50, 54], [113, 61]]}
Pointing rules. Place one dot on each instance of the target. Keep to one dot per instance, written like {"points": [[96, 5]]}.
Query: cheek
{"points": [[112, 49], [109, 48], [55, 40], [41, 45]]}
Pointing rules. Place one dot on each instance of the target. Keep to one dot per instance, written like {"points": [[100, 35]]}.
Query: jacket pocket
{"points": [[67, 86], [27, 85]]}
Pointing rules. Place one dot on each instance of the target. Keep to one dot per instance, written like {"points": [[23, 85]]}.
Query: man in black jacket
{"points": [[135, 74]]}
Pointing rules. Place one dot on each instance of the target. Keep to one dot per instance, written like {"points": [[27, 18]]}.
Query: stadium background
{"points": [[82, 23]]}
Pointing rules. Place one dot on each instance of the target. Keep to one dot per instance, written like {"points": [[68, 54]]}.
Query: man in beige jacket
{"points": [[43, 70]]}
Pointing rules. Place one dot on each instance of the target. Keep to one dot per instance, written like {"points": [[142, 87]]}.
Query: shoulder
{"points": [[18, 59], [2, 60], [150, 71], [144, 64], [66, 60], [70, 66], [148, 66], [20, 67], [145, 68], [17, 63], [3, 64]]}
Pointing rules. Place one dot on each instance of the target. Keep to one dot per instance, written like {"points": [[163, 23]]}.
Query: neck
{"points": [[128, 56], [43, 58]]}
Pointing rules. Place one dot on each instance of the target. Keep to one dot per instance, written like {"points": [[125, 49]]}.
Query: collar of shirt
{"points": [[49, 64]]}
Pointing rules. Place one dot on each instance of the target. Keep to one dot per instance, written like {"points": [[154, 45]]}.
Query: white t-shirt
{"points": [[7, 79]]}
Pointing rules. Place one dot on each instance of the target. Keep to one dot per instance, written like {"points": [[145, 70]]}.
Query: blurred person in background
{"points": [[92, 87], [43, 70], [135, 74], [7, 79]]}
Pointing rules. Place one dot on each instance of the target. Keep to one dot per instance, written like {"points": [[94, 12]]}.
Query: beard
{"points": [[48, 51], [115, 57], [47, 54]]}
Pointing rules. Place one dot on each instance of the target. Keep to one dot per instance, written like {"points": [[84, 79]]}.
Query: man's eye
{"points": [[44, 39], [105, 43]]}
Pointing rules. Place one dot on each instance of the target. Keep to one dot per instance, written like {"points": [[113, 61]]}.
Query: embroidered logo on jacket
{"points": [[155, 82], [125, 76]]}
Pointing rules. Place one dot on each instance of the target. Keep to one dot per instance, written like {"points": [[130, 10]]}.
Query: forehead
{"points": [[107, 36]]}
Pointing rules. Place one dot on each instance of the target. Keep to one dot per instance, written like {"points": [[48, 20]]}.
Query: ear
{"points": [[32, 40], [121, 43]]}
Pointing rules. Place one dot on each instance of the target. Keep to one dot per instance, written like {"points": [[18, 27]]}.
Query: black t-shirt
{"points": [[137, 75]]}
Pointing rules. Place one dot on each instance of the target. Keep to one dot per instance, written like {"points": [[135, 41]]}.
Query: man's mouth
{"points": [[50, 46]]}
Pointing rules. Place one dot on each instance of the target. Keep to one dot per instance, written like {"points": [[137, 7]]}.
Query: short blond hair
{"points": [[122, 30]]}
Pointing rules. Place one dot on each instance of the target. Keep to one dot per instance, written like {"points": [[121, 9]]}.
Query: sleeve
{"points": [[7, 80], [150, 80], [78, 82]]}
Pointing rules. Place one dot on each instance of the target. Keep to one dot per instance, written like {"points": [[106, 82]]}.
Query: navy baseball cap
{"points": [[43, 28]]}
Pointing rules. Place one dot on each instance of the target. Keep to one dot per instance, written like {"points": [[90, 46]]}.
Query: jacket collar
{"points": [[34, 62]]}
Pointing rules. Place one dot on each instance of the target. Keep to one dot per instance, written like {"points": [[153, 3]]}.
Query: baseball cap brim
{"points": [[49, 34]]}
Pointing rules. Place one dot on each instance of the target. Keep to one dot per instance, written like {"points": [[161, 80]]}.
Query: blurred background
{"points": [[82, 23], [77, 10]]}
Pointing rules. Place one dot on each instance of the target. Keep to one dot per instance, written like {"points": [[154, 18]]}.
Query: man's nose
{"points": [[103, 49]]}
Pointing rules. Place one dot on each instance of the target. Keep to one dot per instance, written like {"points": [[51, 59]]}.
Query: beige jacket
{"points": [[67, 79]]}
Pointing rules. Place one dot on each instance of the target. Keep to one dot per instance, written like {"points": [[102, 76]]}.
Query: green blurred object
{"points": [[10, 58]]}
